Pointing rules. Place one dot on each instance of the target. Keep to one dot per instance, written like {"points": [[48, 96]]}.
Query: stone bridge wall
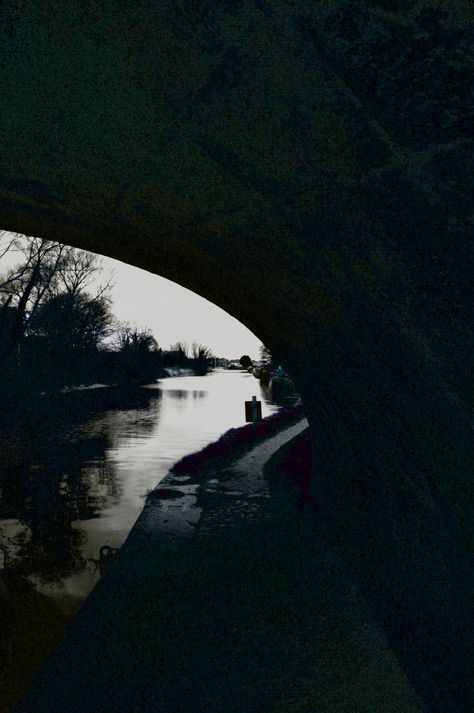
{"points": [[306, 166]]}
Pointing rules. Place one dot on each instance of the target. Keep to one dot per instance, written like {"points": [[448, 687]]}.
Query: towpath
{"points": [[222, 602]]}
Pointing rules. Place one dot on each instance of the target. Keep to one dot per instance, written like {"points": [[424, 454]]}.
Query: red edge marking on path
{"points": [[237, 437]]}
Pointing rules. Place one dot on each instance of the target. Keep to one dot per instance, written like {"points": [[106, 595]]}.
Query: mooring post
{"points": [[253, 410]]}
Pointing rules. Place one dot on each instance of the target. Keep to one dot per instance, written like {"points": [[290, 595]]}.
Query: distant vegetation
{"points": [[245, 361], [57, 328]]}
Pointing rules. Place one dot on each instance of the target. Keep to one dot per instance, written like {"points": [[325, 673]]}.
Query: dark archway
{"points": [[288, 145]]}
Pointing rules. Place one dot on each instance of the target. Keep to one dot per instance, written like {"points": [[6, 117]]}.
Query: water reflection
{"points": [[185, 394], [43, 495], [59, 476], [75, 469]]}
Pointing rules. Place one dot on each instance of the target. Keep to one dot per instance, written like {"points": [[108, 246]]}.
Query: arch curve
{"points": [[238, 152]]}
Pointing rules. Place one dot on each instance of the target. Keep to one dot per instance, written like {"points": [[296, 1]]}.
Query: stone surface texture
{"points": [[308, 167]]}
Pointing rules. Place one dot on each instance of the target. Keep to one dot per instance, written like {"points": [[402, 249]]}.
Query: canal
{"points": [[75, 469]]}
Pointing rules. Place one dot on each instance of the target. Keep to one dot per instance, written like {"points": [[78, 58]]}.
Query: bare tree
{"points": [[32, 252], [200, 352], [201, 356], [79, 270], [24, 286], [7, 243], [73, 324], [132, 338], [181, 348], [45, 270]]}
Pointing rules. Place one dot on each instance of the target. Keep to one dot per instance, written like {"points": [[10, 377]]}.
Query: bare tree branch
{"points": [[10, 243], [48, 269]]}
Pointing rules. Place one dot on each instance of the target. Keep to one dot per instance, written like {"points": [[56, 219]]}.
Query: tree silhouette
{"points": [[246, 361]]}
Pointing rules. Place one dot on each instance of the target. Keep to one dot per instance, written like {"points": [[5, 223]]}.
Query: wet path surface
{"points": [[75, 469], [220, 601], [74, 475], [180, 509]]}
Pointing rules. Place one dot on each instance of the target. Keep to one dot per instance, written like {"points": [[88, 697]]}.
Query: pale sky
{"points": [[172, 312]]}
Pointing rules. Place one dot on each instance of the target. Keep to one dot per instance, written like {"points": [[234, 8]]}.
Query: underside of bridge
{"points": [[306, 166]]}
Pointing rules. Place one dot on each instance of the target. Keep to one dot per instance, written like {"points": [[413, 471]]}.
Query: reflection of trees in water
{"points": [[179, 394], [102, 481], [135, 415], [58, 476], [46, 495], [182, 394], [50, 415]]}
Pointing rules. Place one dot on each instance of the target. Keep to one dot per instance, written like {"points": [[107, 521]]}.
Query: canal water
{"points": [[75, 470]]}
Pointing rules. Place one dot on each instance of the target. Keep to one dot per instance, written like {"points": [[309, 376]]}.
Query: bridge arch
{"points": [[237, 152]]}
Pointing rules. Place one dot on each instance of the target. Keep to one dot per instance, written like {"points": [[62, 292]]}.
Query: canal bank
{"points": [[76, 469], [223, 600], [74, 475]]}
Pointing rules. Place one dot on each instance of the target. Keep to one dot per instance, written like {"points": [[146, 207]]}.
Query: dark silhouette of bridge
{"points": [[281, 160]]}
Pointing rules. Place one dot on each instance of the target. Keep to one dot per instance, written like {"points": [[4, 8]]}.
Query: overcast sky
{"points": [[172, 312]]}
